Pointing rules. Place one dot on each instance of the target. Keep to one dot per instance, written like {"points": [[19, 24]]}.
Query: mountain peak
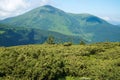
{"points": [[49, 9], [48, 6]]}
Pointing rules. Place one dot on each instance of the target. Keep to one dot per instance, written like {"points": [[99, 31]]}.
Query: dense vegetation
{"points": [[100, 61], [11, 36]]}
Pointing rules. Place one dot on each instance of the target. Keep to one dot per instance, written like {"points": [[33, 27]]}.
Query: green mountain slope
{"points": [[45, 18], [97, 29], [89, 27], [118, 25], [21, 36]]}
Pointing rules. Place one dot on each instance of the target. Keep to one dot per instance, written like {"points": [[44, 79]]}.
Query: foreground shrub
{"points": [[54, 62], [67, 44]]}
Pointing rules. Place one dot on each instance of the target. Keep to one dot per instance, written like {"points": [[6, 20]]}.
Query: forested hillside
{"points": [[48, 18], [100, 61], [12, 36]]}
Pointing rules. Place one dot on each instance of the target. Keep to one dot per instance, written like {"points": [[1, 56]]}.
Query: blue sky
{"points": [[106, 9]]}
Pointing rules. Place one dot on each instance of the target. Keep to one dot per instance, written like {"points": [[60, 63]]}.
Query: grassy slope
{"points": [[52, 62], [89, 27], [11, 36], [96, 29], [45, 18]]}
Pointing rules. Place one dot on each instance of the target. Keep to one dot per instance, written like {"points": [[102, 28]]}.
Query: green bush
{"points": [[67, 44], [57, 62]]}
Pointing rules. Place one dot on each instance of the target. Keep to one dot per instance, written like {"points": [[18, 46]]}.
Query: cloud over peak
{"points": [[9, 8]]}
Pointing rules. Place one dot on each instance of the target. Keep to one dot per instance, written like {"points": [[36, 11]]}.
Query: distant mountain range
{"points": [[47, 19]]}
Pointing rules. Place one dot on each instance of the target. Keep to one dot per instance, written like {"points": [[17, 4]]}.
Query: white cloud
{"points": [[10, 5], [113, 20], [106, 18], [9, 8]]}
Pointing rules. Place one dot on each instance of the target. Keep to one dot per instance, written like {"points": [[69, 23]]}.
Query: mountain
{"points": [[45, 18], [10, 36], [97, 29], [118, 25], [49, 18]]}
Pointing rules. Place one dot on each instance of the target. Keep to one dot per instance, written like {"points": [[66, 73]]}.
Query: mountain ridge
{"points": [[87, 26], [10, 36]]}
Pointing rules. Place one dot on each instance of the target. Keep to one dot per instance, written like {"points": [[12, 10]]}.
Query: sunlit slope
{"points": [[89, 27]]}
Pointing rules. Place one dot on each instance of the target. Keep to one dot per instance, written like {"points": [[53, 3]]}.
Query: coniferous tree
{"points": [[82, 42], [50, 40]]}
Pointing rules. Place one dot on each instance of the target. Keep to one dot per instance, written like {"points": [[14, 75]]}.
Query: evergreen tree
{"points": [[82, 42], [50, 40]]}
